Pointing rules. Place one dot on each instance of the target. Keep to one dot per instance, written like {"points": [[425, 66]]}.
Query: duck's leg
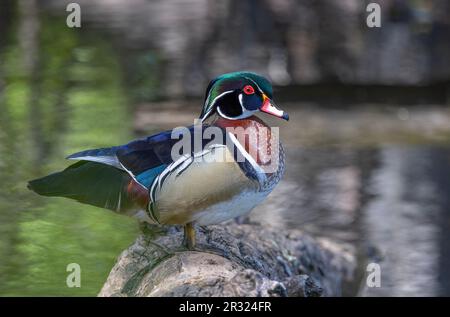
{"points": [[189, 236]]}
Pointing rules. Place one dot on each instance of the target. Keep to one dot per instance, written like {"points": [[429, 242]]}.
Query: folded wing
{"points": [[115, 178]]}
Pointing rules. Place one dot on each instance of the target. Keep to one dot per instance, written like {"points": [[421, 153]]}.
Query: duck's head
{"points": [[239, 95]]}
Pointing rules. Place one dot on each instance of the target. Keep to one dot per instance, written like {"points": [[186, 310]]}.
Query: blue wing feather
{"points": [[145, 154], [143, 159], [102, 177], [146, 178], [110, 151]]}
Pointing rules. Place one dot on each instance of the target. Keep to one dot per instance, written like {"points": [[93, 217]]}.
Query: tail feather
{"points": [[88, 182]]}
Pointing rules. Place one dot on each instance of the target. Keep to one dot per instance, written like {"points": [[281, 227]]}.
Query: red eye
{"points": [[249, 90]]}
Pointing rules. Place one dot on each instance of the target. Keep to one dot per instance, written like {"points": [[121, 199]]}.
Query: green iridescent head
{"points": [[239, 95]]}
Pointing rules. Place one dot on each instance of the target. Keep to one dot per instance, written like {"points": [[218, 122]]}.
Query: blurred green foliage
{"points": [[143, 75]]}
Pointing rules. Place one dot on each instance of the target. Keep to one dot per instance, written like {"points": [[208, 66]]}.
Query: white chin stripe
{"points": [[241, 103], [245, 114]]}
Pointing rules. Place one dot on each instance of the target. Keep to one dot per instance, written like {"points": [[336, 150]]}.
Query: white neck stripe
{"points": [[214, 101]]}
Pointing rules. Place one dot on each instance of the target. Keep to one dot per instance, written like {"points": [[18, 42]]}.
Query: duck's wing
{"points": [[115, 178], [91, 183], [142, 159]]}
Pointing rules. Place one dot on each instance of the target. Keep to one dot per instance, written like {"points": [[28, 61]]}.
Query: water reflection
{"points": [[391, 203], [404, 219], [391, 198], [75, 103], [366, 177]]}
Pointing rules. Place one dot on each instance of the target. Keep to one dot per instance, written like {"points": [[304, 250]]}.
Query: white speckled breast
{"points": [[272, 179]]}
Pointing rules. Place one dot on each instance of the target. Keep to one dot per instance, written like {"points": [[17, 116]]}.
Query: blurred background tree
{"points": [[293, 42]]}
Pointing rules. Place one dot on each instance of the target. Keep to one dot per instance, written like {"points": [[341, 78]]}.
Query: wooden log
{"points": [[231, 260]]}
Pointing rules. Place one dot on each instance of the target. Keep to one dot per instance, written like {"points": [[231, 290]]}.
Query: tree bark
{"points": [[232, 260]]}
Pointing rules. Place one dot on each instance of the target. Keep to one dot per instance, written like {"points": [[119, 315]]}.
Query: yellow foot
{"points": [[189, 236]]}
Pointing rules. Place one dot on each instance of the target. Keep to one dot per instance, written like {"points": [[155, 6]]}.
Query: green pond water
{"points": [[75, 102]]}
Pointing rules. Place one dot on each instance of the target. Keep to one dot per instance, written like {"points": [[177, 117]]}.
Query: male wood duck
{"points": [[206, 186]]}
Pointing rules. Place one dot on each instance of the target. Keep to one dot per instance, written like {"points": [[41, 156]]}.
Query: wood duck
{"points": [[223, 179]]}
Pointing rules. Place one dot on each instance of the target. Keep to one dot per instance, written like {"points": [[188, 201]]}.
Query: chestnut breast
{"points": [[256, 138]]}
